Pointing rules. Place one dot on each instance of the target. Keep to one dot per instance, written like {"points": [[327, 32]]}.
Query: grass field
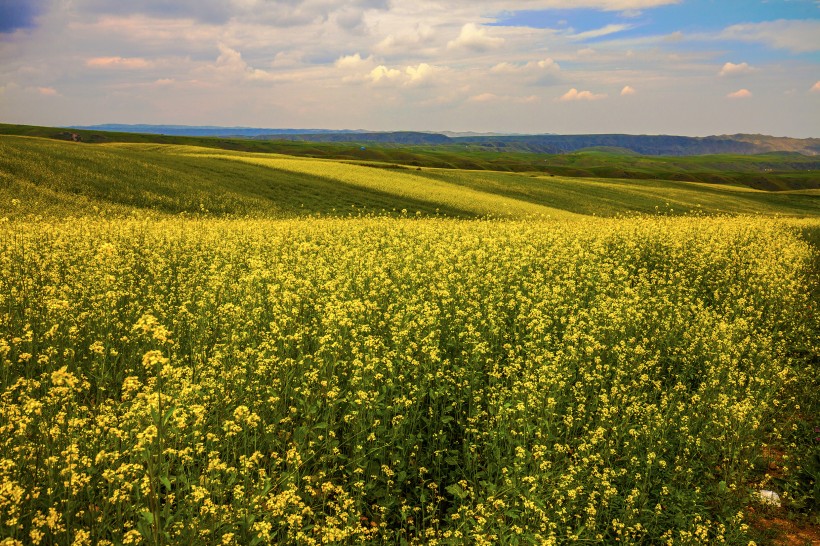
{"points": [[51, 178], [775, 171], [213, 347]]}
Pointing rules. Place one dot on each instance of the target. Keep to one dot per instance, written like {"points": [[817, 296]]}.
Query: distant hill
{"points": [[656, 145], [396, 137], [649, 144], [210, 131]]}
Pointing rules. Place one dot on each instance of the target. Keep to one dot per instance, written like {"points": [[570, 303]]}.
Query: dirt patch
{"points": [[783, 532]]}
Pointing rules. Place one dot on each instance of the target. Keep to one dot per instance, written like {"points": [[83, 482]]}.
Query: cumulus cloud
{"points": [[352, 61], [731, 69], [411, 75], [383, 74], [47, 91], [230, 66], [118, 62], [740, 94], [815, 88], [475, 38], [575, 95], [401, 41], [628, 90], [420, 74]]}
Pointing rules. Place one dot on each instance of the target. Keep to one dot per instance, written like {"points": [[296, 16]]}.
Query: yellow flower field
{"points": [[374, 380]]}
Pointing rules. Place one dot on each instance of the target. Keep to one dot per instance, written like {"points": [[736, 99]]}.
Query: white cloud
{"points": [[475, 38], [798, 36], [815, 88], [740, 94], [597, 33], [401, 41], [47, 91], [352, 61], [492, 97], [731, 69], [231, 67], [118, 62], [575, 95], [547, 64], [628, 90], [420, 74], [382, 74]]}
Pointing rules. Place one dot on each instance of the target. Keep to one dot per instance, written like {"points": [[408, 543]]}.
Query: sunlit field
{"points": [[396, 381]]}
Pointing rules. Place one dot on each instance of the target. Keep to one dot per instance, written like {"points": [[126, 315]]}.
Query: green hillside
{"points": [[54, 178], [774, 171]]}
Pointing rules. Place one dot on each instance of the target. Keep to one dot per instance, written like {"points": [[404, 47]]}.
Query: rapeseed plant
{"points": [[376, 380]]}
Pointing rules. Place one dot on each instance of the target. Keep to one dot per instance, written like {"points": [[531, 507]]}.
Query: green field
{"points": [[211, 346], [55, 178], [772, 171]]}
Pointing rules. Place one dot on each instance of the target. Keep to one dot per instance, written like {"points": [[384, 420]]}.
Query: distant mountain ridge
{"points": [[204, 130], [651, 144], [659, 145]]}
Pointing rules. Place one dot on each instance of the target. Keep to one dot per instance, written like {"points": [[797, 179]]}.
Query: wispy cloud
{"points": [[597, 33], [815, 88], [118, 62], [492, 97], [792, 35]]}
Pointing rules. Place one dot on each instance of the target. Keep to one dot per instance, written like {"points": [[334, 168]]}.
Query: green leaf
{"points": [[147, 516], [457, 491]]}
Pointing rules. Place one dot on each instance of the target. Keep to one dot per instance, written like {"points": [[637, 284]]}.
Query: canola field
{"points": [[392, 381]]}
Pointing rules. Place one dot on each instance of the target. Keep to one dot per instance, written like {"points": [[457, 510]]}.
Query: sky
{"points": [[684, 67]]}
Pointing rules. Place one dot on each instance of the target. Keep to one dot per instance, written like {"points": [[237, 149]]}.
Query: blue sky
{"points": [[692, 17], [693, 67], [688, 16]]}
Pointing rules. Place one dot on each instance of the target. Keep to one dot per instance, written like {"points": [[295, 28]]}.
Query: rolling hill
{"points": [[771, 171], [54, 178]]}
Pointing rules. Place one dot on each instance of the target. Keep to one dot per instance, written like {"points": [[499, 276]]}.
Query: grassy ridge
{"points": [[54, 178], [768, 171]]}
